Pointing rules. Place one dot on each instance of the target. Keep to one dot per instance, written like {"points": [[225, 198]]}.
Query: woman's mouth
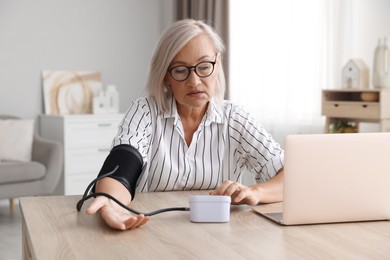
{"points": [[196, 93]]}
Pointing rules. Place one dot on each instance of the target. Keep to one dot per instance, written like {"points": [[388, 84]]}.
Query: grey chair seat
{"points": [[40, 176], [12, 172]]}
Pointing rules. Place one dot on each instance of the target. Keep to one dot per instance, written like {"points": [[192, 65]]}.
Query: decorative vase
{"points": [[381, 68]]}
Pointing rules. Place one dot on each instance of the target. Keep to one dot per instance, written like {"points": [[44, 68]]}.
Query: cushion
{"points": [[16, 138], [13, 172]]}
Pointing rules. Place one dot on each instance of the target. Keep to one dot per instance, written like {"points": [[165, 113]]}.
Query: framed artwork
{"points": [[70, 92]]}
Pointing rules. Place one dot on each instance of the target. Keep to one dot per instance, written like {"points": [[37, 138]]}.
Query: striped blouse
{"points": [[227, 142]]}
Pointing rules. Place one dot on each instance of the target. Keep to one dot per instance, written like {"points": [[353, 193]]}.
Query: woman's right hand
{"points": [[114, 215]]}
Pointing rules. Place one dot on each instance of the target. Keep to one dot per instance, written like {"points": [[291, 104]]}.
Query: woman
{"points": [[184, 136]]}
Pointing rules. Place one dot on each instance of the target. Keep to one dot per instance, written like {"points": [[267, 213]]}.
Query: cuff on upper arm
{"points": [[130, 165]]}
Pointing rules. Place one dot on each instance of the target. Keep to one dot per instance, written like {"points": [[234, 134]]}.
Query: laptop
{"points": [[333, 178]]}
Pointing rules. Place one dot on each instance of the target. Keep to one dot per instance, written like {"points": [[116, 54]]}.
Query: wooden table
{"points": [[53, 229]]}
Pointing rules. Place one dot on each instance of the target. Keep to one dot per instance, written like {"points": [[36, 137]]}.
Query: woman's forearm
{"points": [[272, 190], [114, 188]]}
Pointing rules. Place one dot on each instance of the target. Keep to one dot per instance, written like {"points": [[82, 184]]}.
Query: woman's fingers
{"points": [[221, 190], [246, 195], [135, 222], [239, 193], [229, 188], [232, 189]]}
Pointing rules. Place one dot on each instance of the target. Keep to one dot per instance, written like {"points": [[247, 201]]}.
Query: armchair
{"points": [[40, 176]]}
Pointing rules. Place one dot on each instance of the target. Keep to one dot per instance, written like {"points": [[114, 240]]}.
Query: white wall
{"points": [[115, 37], [371, 21], [365, 22]]}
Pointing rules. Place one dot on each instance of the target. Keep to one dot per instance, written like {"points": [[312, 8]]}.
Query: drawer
{"points": [[353, 110], [76, 184], [88, 134], [85, 159]]}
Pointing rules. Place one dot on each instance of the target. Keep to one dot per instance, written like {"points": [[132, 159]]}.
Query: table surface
{"points": [[53, 229]]}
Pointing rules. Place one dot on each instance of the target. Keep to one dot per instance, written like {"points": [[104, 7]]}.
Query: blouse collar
{"points": [[213, 113]]}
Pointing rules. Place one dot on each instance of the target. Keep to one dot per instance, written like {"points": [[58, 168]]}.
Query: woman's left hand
{"points": [[239, 193]]}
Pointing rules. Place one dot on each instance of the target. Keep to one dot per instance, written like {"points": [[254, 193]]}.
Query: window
{"points": [[277, 62]]}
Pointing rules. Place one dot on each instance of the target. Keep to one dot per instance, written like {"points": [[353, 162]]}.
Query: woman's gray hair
{"points": [[171, 42]]}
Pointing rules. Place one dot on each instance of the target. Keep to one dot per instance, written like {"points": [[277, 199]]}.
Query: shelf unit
{"points": [[357, 105]]}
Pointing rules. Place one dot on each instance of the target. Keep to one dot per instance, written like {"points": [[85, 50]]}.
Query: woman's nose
{"points": [[193, 78]]}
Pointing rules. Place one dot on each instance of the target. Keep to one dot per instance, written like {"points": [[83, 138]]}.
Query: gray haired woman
{"points": [[185, 136]]}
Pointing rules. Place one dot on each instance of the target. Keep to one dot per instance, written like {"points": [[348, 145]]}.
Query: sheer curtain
{"points": [[279, 62]]}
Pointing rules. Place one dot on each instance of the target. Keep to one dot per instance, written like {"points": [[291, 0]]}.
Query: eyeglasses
{"points": [[202, 69]]}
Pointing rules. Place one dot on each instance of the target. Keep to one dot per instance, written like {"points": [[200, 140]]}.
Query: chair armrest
{"points": [[49, 153]]}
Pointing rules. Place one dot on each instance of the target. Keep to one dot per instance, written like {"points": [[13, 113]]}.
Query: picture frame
{"points": [[70, 92]]}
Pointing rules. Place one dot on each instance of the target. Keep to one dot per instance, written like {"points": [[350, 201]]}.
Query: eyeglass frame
{"points": [[194, 68]]}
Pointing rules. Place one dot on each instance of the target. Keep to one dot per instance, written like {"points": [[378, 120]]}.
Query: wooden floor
{"points": [[10, 231]]}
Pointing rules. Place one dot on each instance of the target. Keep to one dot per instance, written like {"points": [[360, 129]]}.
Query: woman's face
{"points": [[194, 92]]}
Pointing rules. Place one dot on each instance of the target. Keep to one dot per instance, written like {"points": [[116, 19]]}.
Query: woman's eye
{"points": [[205, 66], [180, 70]]}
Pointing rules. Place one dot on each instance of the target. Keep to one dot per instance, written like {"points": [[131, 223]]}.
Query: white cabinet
{"points": [[86, 140]]}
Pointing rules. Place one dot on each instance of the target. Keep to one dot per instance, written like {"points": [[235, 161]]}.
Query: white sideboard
{"points": [[86, 140]]}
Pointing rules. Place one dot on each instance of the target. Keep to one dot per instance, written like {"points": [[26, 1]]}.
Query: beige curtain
{"points": [[215, 13]]}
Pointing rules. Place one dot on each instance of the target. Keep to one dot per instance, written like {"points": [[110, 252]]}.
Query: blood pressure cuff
{"points": [[130, 164]]}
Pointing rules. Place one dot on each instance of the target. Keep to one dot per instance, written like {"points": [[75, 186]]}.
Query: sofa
{"points": [[38, 176]]}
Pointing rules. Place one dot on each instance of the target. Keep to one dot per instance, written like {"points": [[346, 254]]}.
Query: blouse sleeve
{"points": [[136, 127], [260, 153]]}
